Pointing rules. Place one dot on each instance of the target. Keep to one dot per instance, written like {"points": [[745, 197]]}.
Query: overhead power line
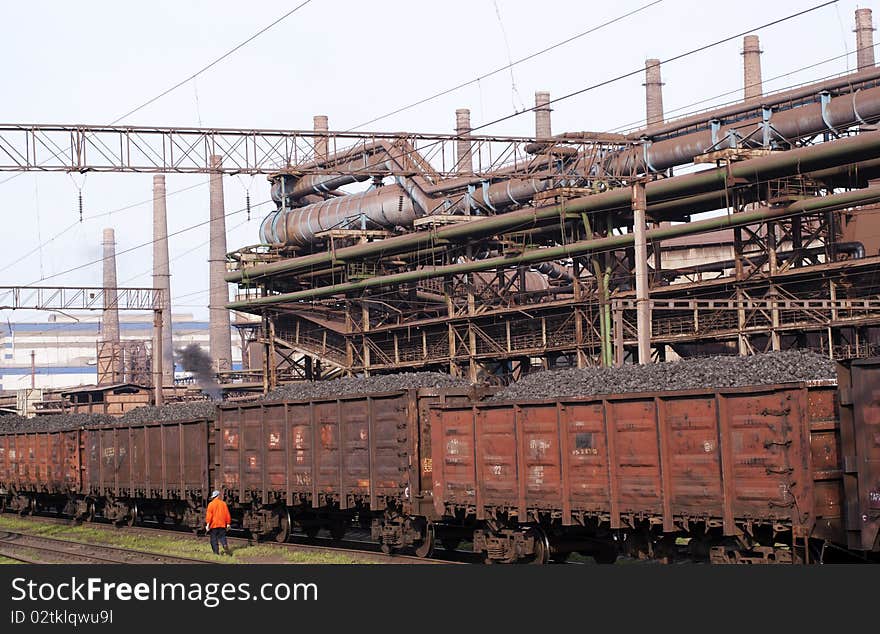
{"points": [[506, 66], [195, 74], [674, 58], [212, 64]]}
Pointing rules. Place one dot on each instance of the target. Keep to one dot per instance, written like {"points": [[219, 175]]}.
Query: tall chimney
{"points": [[110, 329], [864, 39], [320, 125], [220, 336], [653, 92], [751, 53], [162, 274], [110, 326], [464, 158], [542, 115]]}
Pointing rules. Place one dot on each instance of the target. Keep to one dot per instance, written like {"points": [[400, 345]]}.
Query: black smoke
{"points": [[194, 359]]}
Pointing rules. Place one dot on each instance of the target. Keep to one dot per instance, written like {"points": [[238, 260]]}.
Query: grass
{"points": [[7, 560], [181, 545]]}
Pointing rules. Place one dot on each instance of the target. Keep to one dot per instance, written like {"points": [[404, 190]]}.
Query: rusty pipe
{"points": [[384, 207], [837, 112]]}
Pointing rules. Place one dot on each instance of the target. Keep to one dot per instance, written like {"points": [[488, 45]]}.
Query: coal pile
{"points": [[687, 374], [55, 422], [348, 386], [191, 410]]}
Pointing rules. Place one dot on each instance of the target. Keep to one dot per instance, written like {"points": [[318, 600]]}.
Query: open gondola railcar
{"points": [[39, 469], [328, 462], [162, 469], [758, 474]]}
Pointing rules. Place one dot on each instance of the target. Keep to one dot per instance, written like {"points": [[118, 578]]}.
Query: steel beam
{"points": [[584, 247]]}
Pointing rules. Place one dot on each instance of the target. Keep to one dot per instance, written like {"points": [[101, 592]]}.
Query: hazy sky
{"points": [[92, 61]]}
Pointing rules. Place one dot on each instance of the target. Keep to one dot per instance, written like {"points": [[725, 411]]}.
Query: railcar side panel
{"points": [[154, 460], [39, 462], [730, 456]]}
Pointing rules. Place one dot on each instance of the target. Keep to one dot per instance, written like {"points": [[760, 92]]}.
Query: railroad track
{"points": [[37, 549], [365, 551]]}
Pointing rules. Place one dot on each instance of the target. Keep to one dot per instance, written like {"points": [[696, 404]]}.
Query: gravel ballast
{"points": [[687, 374]]}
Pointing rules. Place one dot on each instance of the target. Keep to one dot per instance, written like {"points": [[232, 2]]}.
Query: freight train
{"points": [[766, 474]]}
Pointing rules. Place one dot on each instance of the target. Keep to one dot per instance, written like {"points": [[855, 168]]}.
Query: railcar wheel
{"points": [[338, 528], [450, 543], [386, 548], [160, 519], [131, 520], [311, 530], [2, 504], [542, 549], [606, 554], [426, 548], [283, 532]]}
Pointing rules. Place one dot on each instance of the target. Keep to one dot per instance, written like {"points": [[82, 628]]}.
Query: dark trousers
{"points": [[218, 536]]}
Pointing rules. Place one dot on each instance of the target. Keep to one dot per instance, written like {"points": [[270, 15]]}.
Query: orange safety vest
{"points": [[218, 514]]}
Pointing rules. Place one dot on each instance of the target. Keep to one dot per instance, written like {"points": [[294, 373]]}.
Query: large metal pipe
{"points": [[807, 159], [220, 335], [838, 112], [653, 93], [384, 207], [747, 109], [584, 247], [752, 88], [162, 274], [864, 39]]}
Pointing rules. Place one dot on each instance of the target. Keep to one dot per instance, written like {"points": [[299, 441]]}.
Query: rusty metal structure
{"points": [[125, 361], [568, 252], [488, 255]]}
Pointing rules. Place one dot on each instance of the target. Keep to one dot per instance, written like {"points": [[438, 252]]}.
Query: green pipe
{"points": [[797, 161], [819, 203]]}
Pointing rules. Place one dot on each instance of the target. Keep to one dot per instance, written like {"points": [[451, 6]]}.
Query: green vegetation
{"points": [[181, 545]]}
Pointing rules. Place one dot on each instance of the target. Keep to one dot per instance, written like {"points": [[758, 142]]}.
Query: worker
{"points": [[217, 523]]}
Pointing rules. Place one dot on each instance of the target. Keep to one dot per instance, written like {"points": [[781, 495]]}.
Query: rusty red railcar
{"points": [[328, 462], [38, 467], [735, 471], [162, 469]]}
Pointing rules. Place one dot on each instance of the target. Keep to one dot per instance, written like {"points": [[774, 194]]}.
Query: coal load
{"points": [[349, 386], [54, 422], [687, 374], [193, 410]]}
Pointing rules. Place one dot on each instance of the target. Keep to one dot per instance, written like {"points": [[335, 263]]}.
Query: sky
{"points": [[90, 62]]}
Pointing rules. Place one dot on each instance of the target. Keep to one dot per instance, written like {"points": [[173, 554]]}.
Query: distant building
{"points": [[65, 349]]}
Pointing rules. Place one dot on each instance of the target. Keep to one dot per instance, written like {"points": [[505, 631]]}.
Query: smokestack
{"points": [[320, 125], [653, 92], [219, 335], [464, 159], [542, 115], [751, 53], [864, 39], [162, 274], [110, 329]]}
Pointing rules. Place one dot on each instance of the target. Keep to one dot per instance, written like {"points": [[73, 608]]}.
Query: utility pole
{"points": [[33, 369]]}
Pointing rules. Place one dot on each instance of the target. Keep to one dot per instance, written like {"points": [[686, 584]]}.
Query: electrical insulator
{"points": [[80, 206], [247, 202]]}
